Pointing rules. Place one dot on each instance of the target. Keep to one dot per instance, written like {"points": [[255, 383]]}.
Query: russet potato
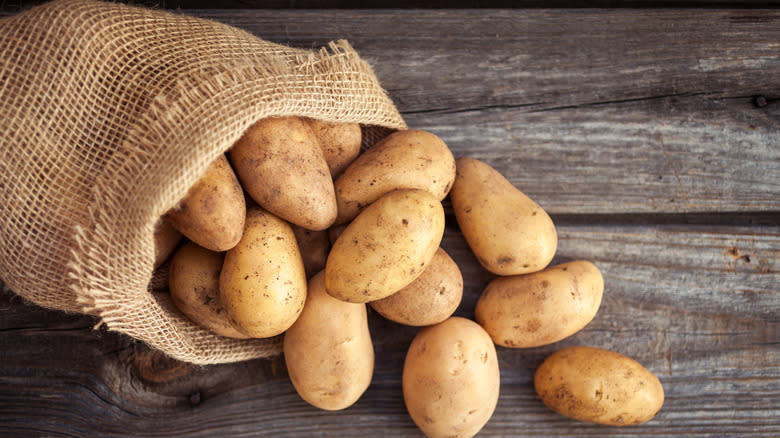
{"points": [[430, 299], [263, 282], [531, 310], [213, 212], [386, 247], [193, 280], [451, 379], [328, 351], [281, 165], [340, 143], [508, 232], [598, 386], [410, 159]]}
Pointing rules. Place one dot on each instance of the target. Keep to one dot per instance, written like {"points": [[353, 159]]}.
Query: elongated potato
{"points": [[263, 282], [451, 379], [386, 247], [314, 247], [194, 284], [281, 165], [430, 299], [532, 310], [507, 231], [598, 386], [328, 351], [340, 143], [212, 214], [409, 159]]}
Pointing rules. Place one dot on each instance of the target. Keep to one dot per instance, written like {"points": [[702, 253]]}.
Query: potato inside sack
{"points": [[386, 247], [508, 232], [328, 351], [194, 285], [340, 143], [451, 379], [410, 159], [598, 386], [531, 310], [213, 212], [281, 165], [263, 282], [430, 299]]}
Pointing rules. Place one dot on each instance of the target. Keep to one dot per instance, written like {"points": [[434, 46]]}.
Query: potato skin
{"points": [[531, 310], [386, 247], [193, 280], [263, 282], [507, 231], [598, 386], [212, 214], [281, 165], [451, 379], [340, 143], [328, 351], [410, 159], [430, 299]]}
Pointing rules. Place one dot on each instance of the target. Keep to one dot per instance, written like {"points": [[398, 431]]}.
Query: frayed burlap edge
{"points": [[200, 118]]}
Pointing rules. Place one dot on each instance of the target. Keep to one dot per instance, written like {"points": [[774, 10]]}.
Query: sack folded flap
{"points": [[136, 104]]}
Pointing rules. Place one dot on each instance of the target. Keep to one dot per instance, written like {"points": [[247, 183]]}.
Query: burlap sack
{"points": [[108, 114]]}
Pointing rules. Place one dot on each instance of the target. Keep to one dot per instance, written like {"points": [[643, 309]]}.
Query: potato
{"points": [[409, 159], [598, 386], [328, 351], [532, 310], [281, 165], [212, 214], [451, 379], [340, 143], [430, 299], [193, 280], [507, 231], [166, 239], [314, 246], [386, 247], [263, 282]]}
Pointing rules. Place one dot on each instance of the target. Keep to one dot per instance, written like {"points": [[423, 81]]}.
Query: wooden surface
{"points": [[653, 139]]}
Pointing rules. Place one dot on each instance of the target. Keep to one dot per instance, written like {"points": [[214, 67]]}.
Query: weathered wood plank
{"points": [[587, 111], [696, 304]]}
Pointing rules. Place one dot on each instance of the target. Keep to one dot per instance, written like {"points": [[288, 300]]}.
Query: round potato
{"points": [[193, 280], [410, 159], [507, 231], [340, 143], [532, 310], [386, 247], [328, 351], [598, 386], [212, 214], [451, 379], [430, 299], [263, 282], [281, 165]]}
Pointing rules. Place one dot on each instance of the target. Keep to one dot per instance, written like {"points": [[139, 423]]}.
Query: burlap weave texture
{"points": [[108, 114]]}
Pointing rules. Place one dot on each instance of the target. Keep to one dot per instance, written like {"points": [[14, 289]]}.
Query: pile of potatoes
{"points": [[295, 231]]}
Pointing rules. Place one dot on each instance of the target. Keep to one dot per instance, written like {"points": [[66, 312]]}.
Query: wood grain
{"points": [[698, 307], [589, 112], [640, 131]]}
